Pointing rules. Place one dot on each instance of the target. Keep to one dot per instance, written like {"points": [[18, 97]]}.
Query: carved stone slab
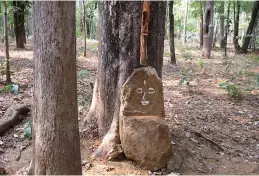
{"points": [[142, 94]]}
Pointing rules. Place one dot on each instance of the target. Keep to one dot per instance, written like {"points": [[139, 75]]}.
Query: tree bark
{"points": [[171, 28], [208, 28], [144, 33], [19, 28], [236, 28], [185, 21], [250, 27], [56, 143], [155, 46], [227, 29], [201, 24], [8, 74], [118, 56], [215, 34], [222, 26], [84, 28]]}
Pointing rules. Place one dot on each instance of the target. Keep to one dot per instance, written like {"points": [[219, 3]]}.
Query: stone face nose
{"points": [[144, 96]]}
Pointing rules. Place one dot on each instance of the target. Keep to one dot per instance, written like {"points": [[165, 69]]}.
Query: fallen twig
{"points": [[21, 148], [209, 140]]}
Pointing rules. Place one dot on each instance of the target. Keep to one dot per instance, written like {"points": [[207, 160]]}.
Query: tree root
{"points": [[109, 148], [12, 116], [90, 116], [209, 140]]}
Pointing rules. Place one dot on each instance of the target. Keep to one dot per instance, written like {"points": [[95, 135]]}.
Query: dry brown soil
{"points": [[211, 132]]}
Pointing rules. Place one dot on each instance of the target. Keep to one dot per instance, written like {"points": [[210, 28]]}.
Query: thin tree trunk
{"points": [[56, 143], [236, 28], [222, 26], [185, 22], [201, 24], [227, 29], [8, 74], [215, 35], [250, 27], [84, 28], [171, 28]]}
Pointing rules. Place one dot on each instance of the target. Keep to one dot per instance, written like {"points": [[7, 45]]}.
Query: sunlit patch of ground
{"points": [[196, 114]]}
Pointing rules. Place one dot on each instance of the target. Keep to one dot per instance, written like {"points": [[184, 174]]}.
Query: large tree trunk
{"points": [[201, 24], [119, 55], [208, 28], [171, 28], [56, 149], [236, 28], [222, 26], [19, 28], [155, 46], [250, 27], [8, 74]]}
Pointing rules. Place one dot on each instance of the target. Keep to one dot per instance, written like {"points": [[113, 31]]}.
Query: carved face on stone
{"points": [[142, 94]]}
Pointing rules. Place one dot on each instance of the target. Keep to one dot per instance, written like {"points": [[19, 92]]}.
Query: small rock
{"points": [[176, 161], [84, 162], [2, 171], [15, 135], [187, 134], [88, 166], [109, 169], [194, 140], [2, 150], [221, 153], [174, 174], [1, 142], [115, 152]]}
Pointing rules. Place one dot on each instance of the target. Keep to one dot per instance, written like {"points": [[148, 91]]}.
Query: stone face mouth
{"points": [[144, 102]]}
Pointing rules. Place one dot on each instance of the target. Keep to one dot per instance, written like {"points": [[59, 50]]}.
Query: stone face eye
{"points": [[151, 90], [139, 90]]}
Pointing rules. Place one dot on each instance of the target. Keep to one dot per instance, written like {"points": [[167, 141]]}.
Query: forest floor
{"points": [[212, 133]]}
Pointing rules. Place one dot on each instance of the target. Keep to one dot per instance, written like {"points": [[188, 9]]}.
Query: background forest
{"points": [[209, 70]]}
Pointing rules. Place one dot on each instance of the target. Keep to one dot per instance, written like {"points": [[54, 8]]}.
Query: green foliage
{"points": [[232, 89], [228, 64], [86, 99], [201, 63], [257, 81], [166, 54], [185, 78], [27, 130], [255, 57], [6, 89], [82, 73], [187, 55]]}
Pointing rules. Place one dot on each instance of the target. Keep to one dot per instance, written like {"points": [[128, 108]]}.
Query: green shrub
{"points": [[232, 89]]}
